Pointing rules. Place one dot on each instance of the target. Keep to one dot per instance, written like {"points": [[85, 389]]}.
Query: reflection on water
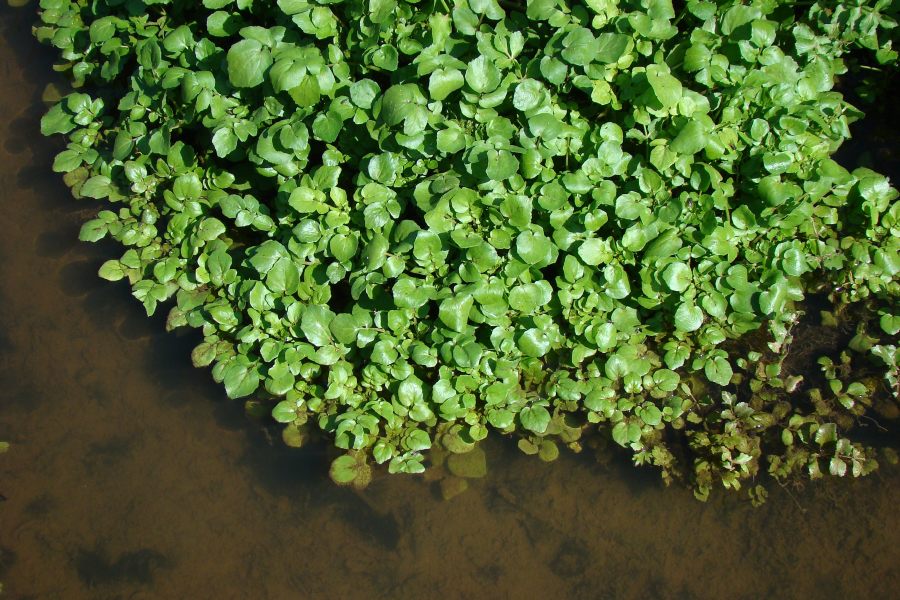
{"points": [[131, 476]]}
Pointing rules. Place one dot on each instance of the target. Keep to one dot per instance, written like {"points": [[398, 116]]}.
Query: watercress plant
{"points": [[411, 222]]}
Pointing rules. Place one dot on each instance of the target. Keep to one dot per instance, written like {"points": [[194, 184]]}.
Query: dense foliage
{"points": [[412, 222]]}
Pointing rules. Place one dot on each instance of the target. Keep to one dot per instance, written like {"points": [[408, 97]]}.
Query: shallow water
{"points": [[131, 475]]}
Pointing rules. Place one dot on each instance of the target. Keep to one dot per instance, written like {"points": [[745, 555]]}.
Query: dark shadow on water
{"points": [[107, 305], [80, 278], [15, 27], [571, 559], [301, 475], [873, 143], [105, 455], [41, 506], [7, 559], [54, 244], [381, 528], [50, 193], [20, 130], [96, 567], [641, 480]]}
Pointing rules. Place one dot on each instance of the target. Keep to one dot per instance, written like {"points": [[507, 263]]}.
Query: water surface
{"points": [[131, 475]]}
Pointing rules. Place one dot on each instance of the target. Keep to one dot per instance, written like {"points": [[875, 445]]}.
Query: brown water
{"points": [[131, 476]]}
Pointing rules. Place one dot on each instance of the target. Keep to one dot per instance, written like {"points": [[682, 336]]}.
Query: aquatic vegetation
{"points": [[410, 223]]}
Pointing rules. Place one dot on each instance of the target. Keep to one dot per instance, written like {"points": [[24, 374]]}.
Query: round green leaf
{"points": [[534, 342], [444, 82], [718, 370], [535, 418], [528, 95], [482, 75], [285, 411], [688, 317], [248, 61], [533, 247], [678, 276]]}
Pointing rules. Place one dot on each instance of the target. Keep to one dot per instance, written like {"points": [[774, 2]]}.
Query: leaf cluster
{"points": [[412, 220]]}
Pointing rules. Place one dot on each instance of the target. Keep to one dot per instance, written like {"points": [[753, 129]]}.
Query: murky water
{"points": [[131, 476]]}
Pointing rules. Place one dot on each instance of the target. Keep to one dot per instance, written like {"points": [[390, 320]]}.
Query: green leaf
{"points": [[240, 377], [890, 324], [266, 255], [540, 10], [534, 342], [93, 230], [315, 324], [666, 88], [529, 297], [225, 142], [528, 95], [97, 187], [837, 467], [593, 251], [450, 141], [482, 75], [410, 392], [650, 414], [248, 61], [57, 120], [111, 270], [611, 47], [533, 247], [718, 370], [625, 433], [794, 262], [380, 11], [579, 47], [617, 284], [454, 311], [410, 293], [344, 328], [384, 353], [285, 411], [777, 162], [397, 103], [327, 126], [210, 229], [386, 58], [417, 440], [67, 161], [363, 93], [346, 470], [535, 418], [692, 138], [444, 82], [678, 276], [688, 317]]}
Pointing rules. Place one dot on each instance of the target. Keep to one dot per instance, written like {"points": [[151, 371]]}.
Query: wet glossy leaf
{"points": [[248, 61], [678, 276], [718, 370], [666, 87], [240, 378], [482, 75], [454, 312], [534, 342], [443, 82], [688, 317], [316, 324], [535, 418]]}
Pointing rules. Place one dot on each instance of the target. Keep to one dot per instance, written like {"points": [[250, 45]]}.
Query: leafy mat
{"points": [[409, 223]]}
